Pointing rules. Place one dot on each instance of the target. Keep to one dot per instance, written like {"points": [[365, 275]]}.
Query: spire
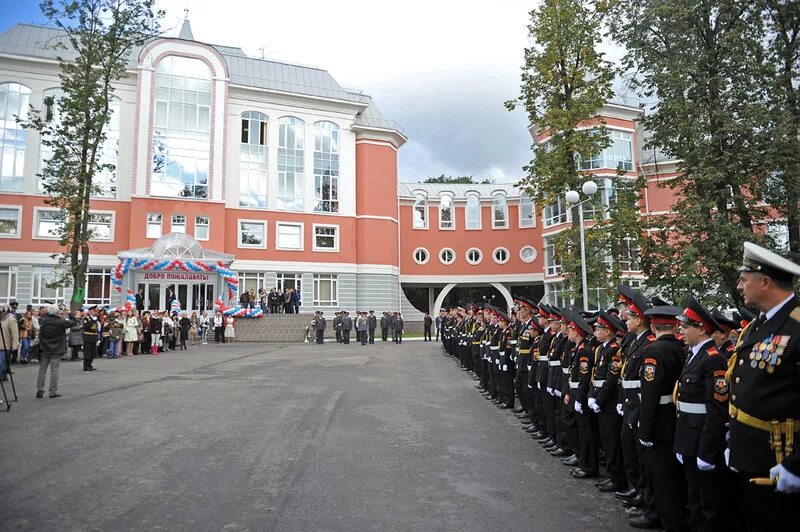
{"points": [[186, 28]]}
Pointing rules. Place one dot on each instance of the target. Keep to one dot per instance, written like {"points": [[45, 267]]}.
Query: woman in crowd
{"points": [[130, 327], [219, 327], [76, 335], [144, 345], [184, 325], [34, 353], [155, 332], [25, 336], [105, 333], [176, 331], [203, 324], [166, 330], [229, 332], [193, 323]]}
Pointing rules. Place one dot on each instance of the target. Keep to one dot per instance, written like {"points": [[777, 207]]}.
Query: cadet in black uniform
{"points": [[722, 335], [524, 345], [662, 361], [765, 393], [702, 402], [90, 331]]}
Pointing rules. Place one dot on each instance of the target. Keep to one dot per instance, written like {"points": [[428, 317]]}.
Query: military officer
{"points": [[764, 379], [701, 396], [662, 361], [524, 344], [90, 330]]}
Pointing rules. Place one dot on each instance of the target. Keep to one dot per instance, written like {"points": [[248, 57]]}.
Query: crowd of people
{"points": [[50, 334], [364, 324], [691, 412], [273, 302]]}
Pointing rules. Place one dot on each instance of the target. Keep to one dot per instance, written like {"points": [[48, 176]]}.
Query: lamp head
{"points": [[573, 197], [589, 188]]}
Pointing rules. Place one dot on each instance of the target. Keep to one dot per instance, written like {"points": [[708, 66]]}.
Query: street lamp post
{"points": [[589, 189]]}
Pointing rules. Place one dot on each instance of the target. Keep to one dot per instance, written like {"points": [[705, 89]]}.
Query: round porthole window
{"points": [[421, 256], [527, 254], [500, 255], [474, 256], [447, 256]]}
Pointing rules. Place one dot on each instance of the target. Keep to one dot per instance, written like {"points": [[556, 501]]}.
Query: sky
{"points": [[440, 68]]}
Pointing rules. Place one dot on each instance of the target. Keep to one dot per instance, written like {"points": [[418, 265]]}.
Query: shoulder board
{"points": [[729, 348], [712, 351], [614, 345], [651, 337], [795, 315]]}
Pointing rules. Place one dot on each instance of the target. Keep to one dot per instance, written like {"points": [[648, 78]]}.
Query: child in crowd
{"points": [[115, 338]]}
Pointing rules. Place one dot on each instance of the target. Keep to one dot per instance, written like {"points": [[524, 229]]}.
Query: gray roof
{"points": [[434, 190], [649, 155], [36, 41]]}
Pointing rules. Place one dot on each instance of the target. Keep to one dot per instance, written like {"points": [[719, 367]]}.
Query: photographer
{"points": [[9, 339], [52, 348]]}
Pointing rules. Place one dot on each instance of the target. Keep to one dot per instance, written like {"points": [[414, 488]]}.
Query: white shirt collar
{"points": [[696, 348], [641, 334], [774, 310]]}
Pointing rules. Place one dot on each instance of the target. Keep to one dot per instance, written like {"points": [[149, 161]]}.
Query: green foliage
{"points": [[100, 35], [462, 179]]}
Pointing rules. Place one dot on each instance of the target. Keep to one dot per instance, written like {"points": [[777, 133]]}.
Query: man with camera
{"points": [[52, 347]]}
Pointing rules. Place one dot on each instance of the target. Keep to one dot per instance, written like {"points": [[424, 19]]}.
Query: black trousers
{"points": [[630, 456], [320, 336], [521, 384], [669, 485], [346, 336], [372, 336], [610, 424], [363, 335], [427, 334], [763, 508], [89, 350], [587, 432], [570, 424], [384, 334], [549, 409]]}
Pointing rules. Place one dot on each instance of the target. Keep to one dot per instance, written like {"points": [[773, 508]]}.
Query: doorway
{"points": [[192, 296]]}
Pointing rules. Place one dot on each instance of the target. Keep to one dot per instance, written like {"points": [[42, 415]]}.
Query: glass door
{"points": [[153, 295], [183, 292]]}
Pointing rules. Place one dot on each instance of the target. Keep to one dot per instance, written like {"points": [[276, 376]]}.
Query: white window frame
{"points": [[419, 196], [35, 235], [480, 256], [466, 213], [554, 268], [36, 297], [148, 224], [522, 257], [452, 213], [207, 225], [564, 213], [278, 226], [173, 225], [19, 209], [334, 279], [507, 252], [335, 247], [494, 211], [112, 228], [239, 233], [427, 256], [530, 222], [13, 281], [441, 259]]}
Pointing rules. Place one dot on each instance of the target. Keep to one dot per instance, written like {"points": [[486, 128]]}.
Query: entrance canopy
{"points": [[177, 246]]}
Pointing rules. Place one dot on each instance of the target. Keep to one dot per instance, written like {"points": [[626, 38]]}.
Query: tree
{"points": [[702, 62], [99, 37], [565, 83], [462, 179]]}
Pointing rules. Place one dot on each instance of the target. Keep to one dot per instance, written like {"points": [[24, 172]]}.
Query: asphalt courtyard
{"points": [[282, 437]]}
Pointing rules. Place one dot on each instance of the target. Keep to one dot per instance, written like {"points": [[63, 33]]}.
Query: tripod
{"points": [[8, 366]]}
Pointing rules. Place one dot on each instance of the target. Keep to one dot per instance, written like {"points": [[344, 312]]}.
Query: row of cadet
{"points": [[693, 414]]}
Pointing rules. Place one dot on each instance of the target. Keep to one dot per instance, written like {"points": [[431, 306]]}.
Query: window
{"points": [[420, 211], [326, 291], [629, 255], [474, 256], [527, 218], [558, 293], [551, 265], [181, 126], [421, 256], [446, 219], [619, 155], [178, 223], [473, 212], [48, 223], [252, 234], [106, 179], [556, 213], [102, 226], [326, 167], [42, 294], [8, 284], [248, 280], [153, 225], [98, 286], [605, 190], [253, 160], [447, 256], [779, 233], [500, 255], [201, 227], [289, 236], [527, 254], [499, 212], [290, 163], [326, 237], [10, 222], [288, 281], [14, 100]]}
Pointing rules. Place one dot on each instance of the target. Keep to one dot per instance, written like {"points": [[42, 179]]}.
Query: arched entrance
{"points": [[509, 301]]}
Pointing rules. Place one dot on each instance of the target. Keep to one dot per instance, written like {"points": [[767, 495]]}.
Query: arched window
{"points": [[291, 151], [527, 218], [181, 125], [14, 99], [446, 218], [420, 211], [253, 160], [326, 167], [499, 211], [473, 212]]}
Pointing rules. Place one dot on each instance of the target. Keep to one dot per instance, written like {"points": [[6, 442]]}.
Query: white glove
{"points": [[679, 456], [578, 407], [550, 390], [704, 466], [727, 454], [619, 408], [788, 482], [592, 402], [646, 443], [596, 408], [539, 385]]}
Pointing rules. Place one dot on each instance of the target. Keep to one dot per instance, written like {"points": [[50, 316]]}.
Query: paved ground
{"points": [[280, 437]]}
